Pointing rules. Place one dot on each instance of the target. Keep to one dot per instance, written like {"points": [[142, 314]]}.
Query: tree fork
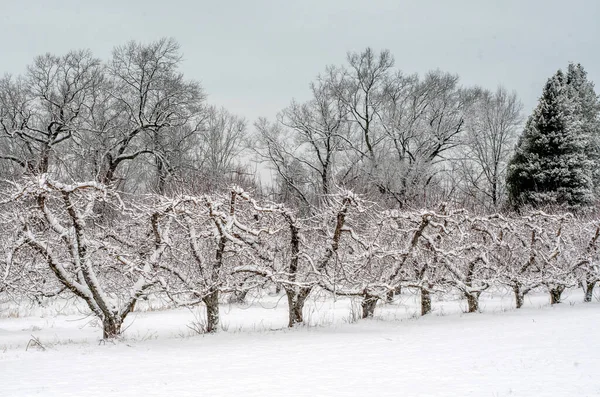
{"points": [[296, 300]]}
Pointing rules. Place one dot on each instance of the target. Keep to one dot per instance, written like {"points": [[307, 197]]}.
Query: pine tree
{"points": [[582, 92], [551, 165]]}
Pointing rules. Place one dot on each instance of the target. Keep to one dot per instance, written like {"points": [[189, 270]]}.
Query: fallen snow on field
{"points": [[535, 351]]}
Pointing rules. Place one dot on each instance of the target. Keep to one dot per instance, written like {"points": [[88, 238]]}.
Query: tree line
{"points": [[133, 122], [117, 183], [194, 249], [404, 140]]}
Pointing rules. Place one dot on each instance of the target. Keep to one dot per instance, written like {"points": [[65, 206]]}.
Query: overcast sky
{"points": [[253, 57]]}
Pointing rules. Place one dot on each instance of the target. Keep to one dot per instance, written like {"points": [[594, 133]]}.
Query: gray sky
{"points": [[253, 57]]}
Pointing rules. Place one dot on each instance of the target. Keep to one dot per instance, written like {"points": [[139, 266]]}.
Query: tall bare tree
{"points": [[361, 86], [306, 144], [150, 100], [216, 155], [45, 108], [491, 132], [423, 122]]}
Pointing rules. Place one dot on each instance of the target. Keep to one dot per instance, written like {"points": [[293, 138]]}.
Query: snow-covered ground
{"points": [[535, 351]]}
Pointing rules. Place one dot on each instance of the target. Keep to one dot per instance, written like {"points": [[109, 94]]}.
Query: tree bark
{"points": [[296, 300], [425, 301], [473, 302], [389, 297], [589, 291], [44, 162], [212, 312], [555, 294], [519, 296], [111, 327], [368, 305], [161, 176]]}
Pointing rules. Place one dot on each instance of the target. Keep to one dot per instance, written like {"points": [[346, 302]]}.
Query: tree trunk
{"points": [[589, 291], [495, 187], [425, 301], [519, 296], [296, 301], [473, 302], [212, 312], [368, 306], [555, 294], [44, 162], [161, 176], [111, 327], [389, 297]]}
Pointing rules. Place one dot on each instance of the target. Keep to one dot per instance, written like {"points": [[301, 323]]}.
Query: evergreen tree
{"points": [[582, 92], [551, 165]]}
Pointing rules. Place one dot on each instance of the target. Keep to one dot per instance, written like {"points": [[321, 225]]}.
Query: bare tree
{"points": [[559, 258], [319, 131], [423, 122], [305, 145], [516, 256], [205, 246], [45, 108], [149, 101], [108, 266], [582, 243], [297, 255], [217, 150], [591, 267], [423, 266], [361, 86], [491, 131], [373, 263], [292, 179]]}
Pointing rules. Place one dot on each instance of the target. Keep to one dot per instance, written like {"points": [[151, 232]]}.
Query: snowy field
{"points": [[535, 351]]}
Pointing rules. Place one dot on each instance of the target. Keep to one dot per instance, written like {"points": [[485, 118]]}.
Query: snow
{"points": [[535, 351]]}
